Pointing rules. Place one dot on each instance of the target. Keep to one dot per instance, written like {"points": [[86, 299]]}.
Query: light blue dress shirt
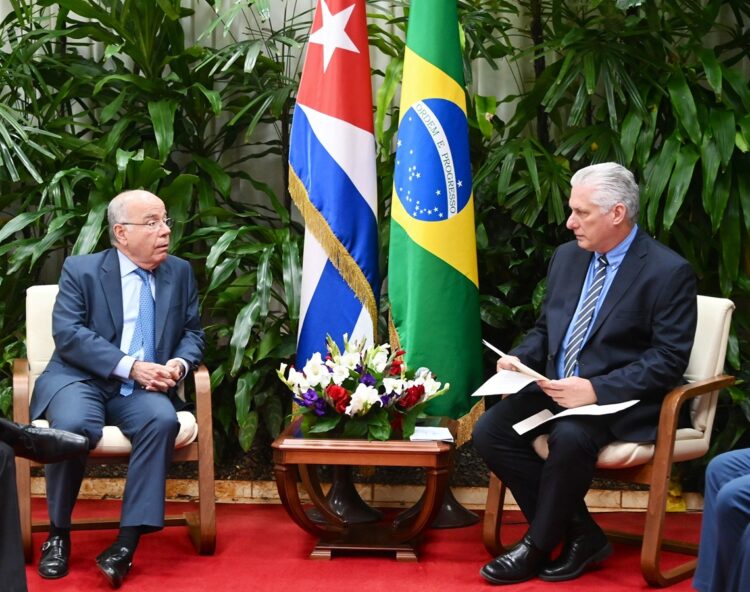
{"points": [[615, 258], [131, 290]]}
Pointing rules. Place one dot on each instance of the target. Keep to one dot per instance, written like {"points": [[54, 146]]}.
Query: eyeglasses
{"points": [[151, 224]]}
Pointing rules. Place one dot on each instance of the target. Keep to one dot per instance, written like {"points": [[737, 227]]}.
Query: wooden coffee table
{"points": [[296, 458]]}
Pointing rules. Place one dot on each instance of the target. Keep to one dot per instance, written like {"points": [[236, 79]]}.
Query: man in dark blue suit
{"points": [[617, 324], [127, 329]]}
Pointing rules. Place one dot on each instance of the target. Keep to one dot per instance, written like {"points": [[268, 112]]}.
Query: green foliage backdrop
{"points": [[658, 85]]}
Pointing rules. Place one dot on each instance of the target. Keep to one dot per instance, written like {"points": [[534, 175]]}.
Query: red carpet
{"points": [[260, 549]]}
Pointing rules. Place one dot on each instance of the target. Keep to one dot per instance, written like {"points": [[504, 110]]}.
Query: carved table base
{"points": [[296, 458]]}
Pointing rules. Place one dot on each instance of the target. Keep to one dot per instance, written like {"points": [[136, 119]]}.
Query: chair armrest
{"points": [[203, 413], [21, 390], [670, 409]]}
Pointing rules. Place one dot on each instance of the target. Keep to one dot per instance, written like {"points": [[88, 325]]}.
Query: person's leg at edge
{"points": [[12, 567], [726, 511]]}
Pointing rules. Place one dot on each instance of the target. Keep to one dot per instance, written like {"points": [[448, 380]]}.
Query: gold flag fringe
{"points": [[467, 422], [337, 253]]}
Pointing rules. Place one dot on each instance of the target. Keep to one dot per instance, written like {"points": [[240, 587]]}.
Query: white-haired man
{"points": [[617, 324], [126, 329]]}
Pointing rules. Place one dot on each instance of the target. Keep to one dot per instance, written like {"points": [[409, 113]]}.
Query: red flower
{"points": [[412, 396], [396, 367], [340, 397]]}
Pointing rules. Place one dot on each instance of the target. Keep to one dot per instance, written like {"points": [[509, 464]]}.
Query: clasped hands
{"points": [[157, 377], [566, 392]]}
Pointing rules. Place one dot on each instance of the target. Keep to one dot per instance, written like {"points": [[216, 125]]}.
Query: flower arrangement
{"points": [[360, 392]]}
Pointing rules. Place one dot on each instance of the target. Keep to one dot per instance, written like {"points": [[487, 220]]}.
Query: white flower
{"points": [[297, 381], [393, 385], [431, 386], [351, 360], [362, 400], [316, 371], [339, 372], [379, 359]]}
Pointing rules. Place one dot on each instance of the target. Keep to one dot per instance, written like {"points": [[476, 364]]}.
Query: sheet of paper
{"points": [[545, 415], [521, 367], [503, 382], [422, 433]]}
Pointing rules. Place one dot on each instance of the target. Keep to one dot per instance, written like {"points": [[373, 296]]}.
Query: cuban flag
{"points": [[333, 183]]}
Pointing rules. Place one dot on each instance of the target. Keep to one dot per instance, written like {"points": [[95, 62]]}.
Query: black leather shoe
{"points": [[585, 545], [43, 445], [55, 555], [521, 563], [115, 563]]}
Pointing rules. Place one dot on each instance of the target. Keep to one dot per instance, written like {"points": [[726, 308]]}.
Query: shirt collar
{"points": [[126, 265], [616, 255]]}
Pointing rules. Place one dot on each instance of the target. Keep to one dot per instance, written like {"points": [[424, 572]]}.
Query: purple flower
{"points": [[367, 379], [319, 407], [309, 398], [386, 399]]}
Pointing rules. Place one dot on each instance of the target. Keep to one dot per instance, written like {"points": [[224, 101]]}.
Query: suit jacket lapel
{"points": [[164, 286], [570, 293], [628, 273], [112, 288]]}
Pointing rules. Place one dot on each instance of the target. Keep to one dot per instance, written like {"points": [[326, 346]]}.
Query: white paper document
{"points": [[546, 415], [423, 433], [504, 382]]}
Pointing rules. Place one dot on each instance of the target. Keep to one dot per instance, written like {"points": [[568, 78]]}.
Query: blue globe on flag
{"points": [[432, 177]]}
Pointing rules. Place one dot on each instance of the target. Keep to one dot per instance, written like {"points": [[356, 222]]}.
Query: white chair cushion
{"points": [[114, 442], [39, 348], [689, 444]]}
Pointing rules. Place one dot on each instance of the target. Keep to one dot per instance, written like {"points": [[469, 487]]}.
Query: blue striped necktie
{"points": [[583, 320], [143, 334]]}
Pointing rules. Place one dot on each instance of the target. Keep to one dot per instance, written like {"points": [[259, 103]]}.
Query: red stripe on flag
{"points": [[342, 90]]}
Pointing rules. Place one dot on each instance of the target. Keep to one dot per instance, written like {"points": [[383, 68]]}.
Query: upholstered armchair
{"points": [[650, 463], [194, 441]]}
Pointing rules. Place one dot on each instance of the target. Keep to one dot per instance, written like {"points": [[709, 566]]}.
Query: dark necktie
{"points": [[583, 320], [143, 334]]}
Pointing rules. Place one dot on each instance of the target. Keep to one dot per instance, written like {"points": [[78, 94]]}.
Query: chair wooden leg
{"points": [[493, 518], [652, 538], [23, 487], [206, 537]]}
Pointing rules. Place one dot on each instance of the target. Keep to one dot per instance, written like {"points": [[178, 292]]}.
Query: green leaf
{"points": [[247, 430], [162, 118], [246, 383], [251, 56], [89, 235], [292, 274], [325, 424], [222, 181], [723, 126], [629, 131], [212, 96], [657, 174], [485, 108], [742, 180], [273, 415], [384, 96], [710, 161], [265, 279], [684, 105], [679, 183], [220, 246], [243, 328], [20, 222], [731, 245], [712, 68], [719, 198]]}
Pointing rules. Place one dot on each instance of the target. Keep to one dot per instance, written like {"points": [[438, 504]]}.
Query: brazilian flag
{"points": [[432, 269]]}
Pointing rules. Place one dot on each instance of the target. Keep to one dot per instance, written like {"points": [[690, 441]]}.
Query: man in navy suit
{"points": [[127, 329], [617, 324]]}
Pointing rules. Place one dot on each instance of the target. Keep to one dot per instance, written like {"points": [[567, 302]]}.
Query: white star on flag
{"points": [[332, 34]]}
